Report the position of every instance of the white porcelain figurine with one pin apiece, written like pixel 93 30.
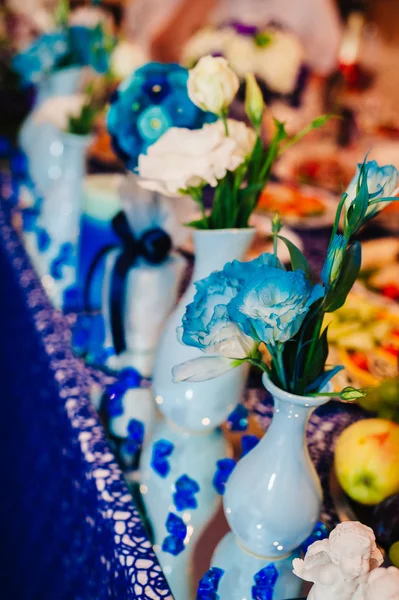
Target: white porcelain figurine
pixel 383 584
pixel 340 566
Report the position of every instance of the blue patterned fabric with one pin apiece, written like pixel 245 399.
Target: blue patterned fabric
pixel 69 529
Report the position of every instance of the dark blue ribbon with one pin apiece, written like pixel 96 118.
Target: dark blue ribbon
pixel 153 245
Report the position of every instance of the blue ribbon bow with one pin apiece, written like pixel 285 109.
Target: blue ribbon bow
pixel 153 245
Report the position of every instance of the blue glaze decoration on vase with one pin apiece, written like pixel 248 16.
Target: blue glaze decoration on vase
pixel 204 405
pixel 176 477
pixel 60 219
pixel 273 498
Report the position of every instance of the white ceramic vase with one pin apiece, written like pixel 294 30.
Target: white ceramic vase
pixel 272 500
pixel 205 405
pixel 194 455
pixel 150 295
pixel 42 142
pixel 59 221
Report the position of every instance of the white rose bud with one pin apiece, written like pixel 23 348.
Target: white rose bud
pixel 212 85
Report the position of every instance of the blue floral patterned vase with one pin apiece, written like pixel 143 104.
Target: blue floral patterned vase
pixel 53 244
pixel 272 503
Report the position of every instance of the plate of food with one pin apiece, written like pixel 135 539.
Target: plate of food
pixel 364 338
pixel 319 164
pixel 303 207
pixel 380 266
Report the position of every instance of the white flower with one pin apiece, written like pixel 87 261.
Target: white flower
pixel 126 58
pixel 242 53
pixel 381 183
pixel 58 109
pixel 212 85
pixel 278 64
pixel 184 158
pixel 205 41
pixel 201 368
pixel 88 16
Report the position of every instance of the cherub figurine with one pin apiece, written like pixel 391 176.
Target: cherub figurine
pixel 340 565
pixel 383 584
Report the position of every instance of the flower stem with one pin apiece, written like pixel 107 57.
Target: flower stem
pixel 257 363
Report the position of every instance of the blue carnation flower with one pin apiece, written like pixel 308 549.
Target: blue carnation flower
pixel 272 305
pixel 149 102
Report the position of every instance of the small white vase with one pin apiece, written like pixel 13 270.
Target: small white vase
pixel 194 455
pixel 56 261
pixel 204 405
pixel 150 295
pixel 42 142
pixel 273 497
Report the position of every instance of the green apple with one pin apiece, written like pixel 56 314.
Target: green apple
pixel 367 460
pixel 394 554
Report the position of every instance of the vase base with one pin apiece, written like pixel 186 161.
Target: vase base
pixel 245 575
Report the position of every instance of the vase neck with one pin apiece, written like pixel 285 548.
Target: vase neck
pixel 74 152
pixel 214 248
pixel 293 417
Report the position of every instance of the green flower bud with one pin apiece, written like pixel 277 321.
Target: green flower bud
pixel 254 104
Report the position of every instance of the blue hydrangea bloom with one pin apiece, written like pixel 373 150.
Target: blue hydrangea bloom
pixel 184 497
pixel 273 303
pixel 153 99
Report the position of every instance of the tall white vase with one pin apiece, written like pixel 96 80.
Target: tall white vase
pixel 204 405
pixel 42 142
pixel 272 500
pixel 58 226
pixel 195 456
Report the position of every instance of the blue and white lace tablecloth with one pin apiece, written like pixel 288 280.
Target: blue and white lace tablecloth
pixel 69 529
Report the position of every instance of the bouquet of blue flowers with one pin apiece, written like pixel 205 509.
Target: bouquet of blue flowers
pixel 70 44
pixel 246 307
pixel 226 155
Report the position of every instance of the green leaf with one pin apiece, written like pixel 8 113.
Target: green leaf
pixel 350 394
pixel 199 224
pixel 298 260
pixel 358 208
pixel 349 273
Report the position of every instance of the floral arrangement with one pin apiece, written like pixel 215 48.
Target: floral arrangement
pixel 226 155
pixel 274 55
pixel 152 100
pixel 79 39
pixel 249 306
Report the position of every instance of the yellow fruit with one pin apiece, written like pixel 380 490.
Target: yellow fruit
pixel 367 460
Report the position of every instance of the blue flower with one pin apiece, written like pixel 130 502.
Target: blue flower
pixel 153 99
pixel 135 435
pixel 381 183
pixel 41 57
pixel 208 325
pixel 333 262
pixel 273 304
